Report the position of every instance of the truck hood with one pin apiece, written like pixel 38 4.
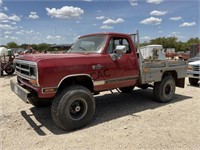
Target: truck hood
pixel 196 63
pixel 38 57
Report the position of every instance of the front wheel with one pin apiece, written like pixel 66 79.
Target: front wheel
pixel 164 91
pixel 73 108
pixel 193 81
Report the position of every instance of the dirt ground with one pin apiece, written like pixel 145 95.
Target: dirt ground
pixel 122 121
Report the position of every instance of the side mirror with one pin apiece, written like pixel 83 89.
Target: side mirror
pixel 120 49
pixel 118 52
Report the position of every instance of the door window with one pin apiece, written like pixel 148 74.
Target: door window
pixel 118 41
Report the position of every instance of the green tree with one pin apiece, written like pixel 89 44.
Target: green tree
pixel 24 46
pixel 34 46
pixel 193 41
pixel 181 46
pixel 12 45
pixel 43 46
pixel 169 42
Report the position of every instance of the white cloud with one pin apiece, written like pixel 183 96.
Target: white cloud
pixel 188 24
pixel 158 13
pixel 5 21
pixel 19 32
pixel 176 18
pixel 1 2
pixel 65 12
pixel 145 38
pixel 100 17
pixel 175 33
pixel 4 17
pixel 33 15
pixel 49 37
pixel 152 21
pixel 57 37
pixel 106 27
pixel 7 32
pixel 5 8
pixel 10 37
pixel 111 21
pixel 133 2
pixel 14 18
pixel 7 27
pixel 154 1
pixel 29 32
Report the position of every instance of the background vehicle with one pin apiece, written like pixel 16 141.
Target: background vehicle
pixel 95 63
pixel 194 72
pixel 6 57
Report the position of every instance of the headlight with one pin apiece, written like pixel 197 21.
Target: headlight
pixel 189 68
pixel 32 71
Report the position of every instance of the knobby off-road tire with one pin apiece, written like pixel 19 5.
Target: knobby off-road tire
pixel 9 69
pixel 38 102
pixel 193 81
pixel 73 108
pixel 164 91
pixel 126 89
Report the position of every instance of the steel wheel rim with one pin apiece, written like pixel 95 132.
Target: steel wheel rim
pixel 78 109
pixel 168 89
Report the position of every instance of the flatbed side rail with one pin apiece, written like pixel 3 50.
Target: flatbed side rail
pixel 153 72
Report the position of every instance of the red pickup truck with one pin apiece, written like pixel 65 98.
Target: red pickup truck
pixel 95 63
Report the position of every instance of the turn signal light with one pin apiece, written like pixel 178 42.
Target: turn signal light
pixel 49 90
pixel 33 82
pixel 189 67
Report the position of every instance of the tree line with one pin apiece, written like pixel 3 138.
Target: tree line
pixel 172 42
pixel 37 47
pixel 167 42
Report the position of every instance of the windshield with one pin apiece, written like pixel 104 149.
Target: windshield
pixel 90 44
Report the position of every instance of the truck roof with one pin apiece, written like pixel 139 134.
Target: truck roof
pixel 106 33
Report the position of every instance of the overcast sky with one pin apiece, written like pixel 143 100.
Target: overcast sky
pixel 56 22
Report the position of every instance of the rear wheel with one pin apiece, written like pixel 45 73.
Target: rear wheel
pixel 164 91
pixel 9 69
pixel 73 108
pixel 127 89
pixel 193 81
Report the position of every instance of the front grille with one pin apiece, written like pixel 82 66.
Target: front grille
pixel 196 68
pixel 26 69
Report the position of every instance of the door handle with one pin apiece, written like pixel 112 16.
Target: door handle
pixel 97 67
